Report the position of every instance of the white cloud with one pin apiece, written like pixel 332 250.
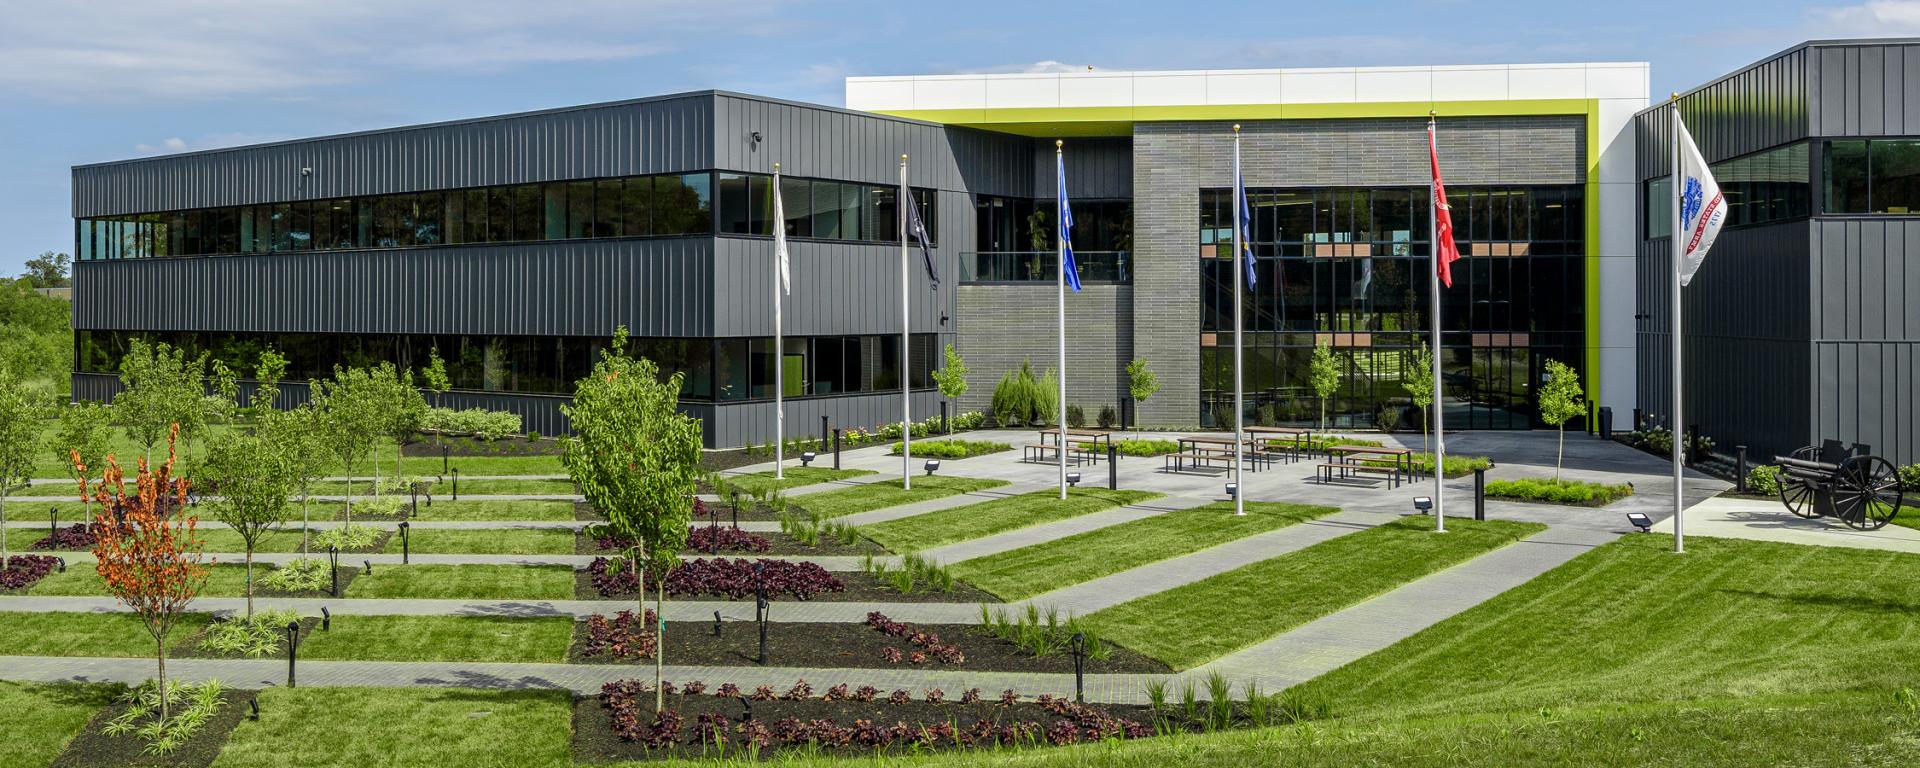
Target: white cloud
pixel 1048 66
pixel 138 50
pixel 174 144
pixel 1876 18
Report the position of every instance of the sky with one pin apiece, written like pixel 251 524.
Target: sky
pixel 99 80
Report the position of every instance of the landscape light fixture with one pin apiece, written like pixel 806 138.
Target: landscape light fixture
pixel 932 466
pixel 293 648
pixel 716 623
pixel 63 564
pixel 1233 489
pixel 254 704
pixel 1640 521
pixel 326 619
pixel 369 565
pixel 1423 504
pixel 807 457
pixel 1073 479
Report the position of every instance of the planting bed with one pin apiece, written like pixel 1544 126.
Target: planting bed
pixel 733 543
pixel 93 747
pixel 620 725
pixel 730 579
pixel 847 645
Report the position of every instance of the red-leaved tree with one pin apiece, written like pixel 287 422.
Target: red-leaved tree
pixel 146 549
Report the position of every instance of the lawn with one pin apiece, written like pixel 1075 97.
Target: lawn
pixel 403 727
pixel 502 541
pixel 48 465
pixel 86 634
pixel 758 483
pixel 887 493
pixel 41 718
pixel 1198 622
pixel 441 638
pixel 466 582
pixel 494 510
pixel 223 580
pixel 1632 622
pixel 1028 571
pixel 514 487
pixel 912 534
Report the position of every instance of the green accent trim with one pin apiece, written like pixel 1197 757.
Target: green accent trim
pixel 1592 374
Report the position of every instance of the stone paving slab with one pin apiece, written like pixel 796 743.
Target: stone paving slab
pixel 1332 641
pixel 1107 591
pixel 677 610
pixel 1015 539
pixel 1769 520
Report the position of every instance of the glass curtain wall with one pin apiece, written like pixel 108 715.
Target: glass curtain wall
pixel 1348 268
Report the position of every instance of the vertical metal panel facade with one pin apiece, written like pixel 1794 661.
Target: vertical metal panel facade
pixel 659 135
pixel 1096 168
pixel 739 424
pixel 838 288
pixel 1866 333
pixel 1760 107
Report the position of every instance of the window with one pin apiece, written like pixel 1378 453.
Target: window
pixel 796 204
pixel 735 218
pixel 683 205
pixel 636 207
pixel 1845 163
pixel 607 194
pixel 580 221
pixel 1894 176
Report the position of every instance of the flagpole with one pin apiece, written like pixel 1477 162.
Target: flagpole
pixel 779 354
pixel 1676 429
pixel 1439 407
pixel 906 341
pixel 1239 396
pixel 1060 287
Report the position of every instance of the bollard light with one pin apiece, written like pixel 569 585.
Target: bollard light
pixel 62 563
pixel 405 556
pixel 1073 479
pixel 333 558
pixel 456 483
pixel 1233 489
pixel 254 704
pixel 1640 521
pixel 933 465
pixel 1079 648
pixel 293 647
pixel 1423 504
pixel 369 565
pixel 716 623
pixel 326 619
pixel 807 457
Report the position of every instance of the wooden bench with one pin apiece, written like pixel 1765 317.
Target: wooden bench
pixel 1077 451
pixel 1176 462
pixel 1325 472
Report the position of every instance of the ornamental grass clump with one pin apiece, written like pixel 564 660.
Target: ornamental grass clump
pixel 146 714
pixel 914 573
pixel 349 537
pixel 302 575
pixel 1043 635
pixel 253 637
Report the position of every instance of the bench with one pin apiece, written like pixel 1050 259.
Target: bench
pixel 1176 462
pixel 1077 451
pixel 1325 472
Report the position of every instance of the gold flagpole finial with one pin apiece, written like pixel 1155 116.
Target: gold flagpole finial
pixel 1432 113
pixel 1058 143
pixel 1236 127
pixel 903 158
pixel 1674 96
pixel 776 166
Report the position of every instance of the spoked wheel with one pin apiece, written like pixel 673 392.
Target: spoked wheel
pixel 1867 494
pixel 1796 495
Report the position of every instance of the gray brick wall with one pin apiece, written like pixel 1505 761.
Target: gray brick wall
pixel 1173 161
pixel 1002 325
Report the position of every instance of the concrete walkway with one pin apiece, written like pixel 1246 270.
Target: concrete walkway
pixel 1769 520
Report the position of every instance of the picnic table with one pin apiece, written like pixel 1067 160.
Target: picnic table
pixel 1209 450
pixel 1081 443
pixel 1348 459
pixel 1299 439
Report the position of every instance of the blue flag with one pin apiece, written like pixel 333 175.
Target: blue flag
pixel 1246 222
pixel 918 232
pixel 1066 226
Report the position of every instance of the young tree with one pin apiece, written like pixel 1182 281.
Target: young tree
pixel 300 434
pixel 1141 384
pixel 952 378
pixel 637 459
pixel 1325 376
pixel 20 417
pixel 147 551
pixel 247 479
pixel 435 376
pixel 270 370
pixel 224 403
pixel 1416 376
pixel 161 391
pixel 81 442
pixel 1561 400
pixel 402 409
pixel 350 419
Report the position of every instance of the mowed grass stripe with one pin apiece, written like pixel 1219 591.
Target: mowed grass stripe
pixel 223 580
pixel 86 634
pixel 1022 573
pixel 444 488
pixel 505 541
pixel 887 493
pixel 42 718
pixel 466 582
pixel 403 726
pixel 762 482
pixel 1632 622
pixel 973 521
pixel 442 638
pixel 1195 623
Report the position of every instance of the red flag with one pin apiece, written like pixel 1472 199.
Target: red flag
pixel 1444 247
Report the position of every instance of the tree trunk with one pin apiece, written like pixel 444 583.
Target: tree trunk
pixel 348 507
pixel 305 490
pixel 659 643
pixel 5 555
pixel 397 446
pixel 249 582
pixel 160 655
pixel 1561 454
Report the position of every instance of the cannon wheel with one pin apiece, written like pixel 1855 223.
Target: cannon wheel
pixel 1795 494
pixel 1867 492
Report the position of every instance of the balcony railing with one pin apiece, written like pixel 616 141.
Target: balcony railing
pixel 1041 266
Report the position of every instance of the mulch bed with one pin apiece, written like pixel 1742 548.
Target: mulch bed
pixel 845 645
pixel 594 740
pixel 778 544
pixel 733 459
pixel 861 587
pixel 91 747
pixel 431 445
pixel 584 511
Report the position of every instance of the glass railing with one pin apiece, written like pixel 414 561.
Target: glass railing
pixel 1042 266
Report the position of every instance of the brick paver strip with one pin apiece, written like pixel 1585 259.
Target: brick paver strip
pixel 677 610
pixel 1106 591
pixel 1015 539
pixel 1327 643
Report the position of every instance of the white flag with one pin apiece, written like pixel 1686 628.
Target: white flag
pixel 780 237
pixel 1702 209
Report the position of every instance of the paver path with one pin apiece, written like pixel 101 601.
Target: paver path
pixel 677 610
pixel 1021 537
pixel 1107 591
pixel 1327 643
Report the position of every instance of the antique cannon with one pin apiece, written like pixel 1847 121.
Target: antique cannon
pixel 1851 484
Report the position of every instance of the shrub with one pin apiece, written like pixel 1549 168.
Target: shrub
pixel 1076 417
pixel 76 537
pixel 1386 417
pixel 304 575
pixel 379 506
pixel 710 538
pixel 479 422
pixel 1910 477
pixel 250 637
pixel 621 637
pixel 21 571
pixel 1133 447
pixel 1457 466
pixel 970 420
pixel 1575 492
pixel 347 538
pixel 1764 479
pixel 1108 418
pixel 141 718
pixel 734 579
pixel 953 449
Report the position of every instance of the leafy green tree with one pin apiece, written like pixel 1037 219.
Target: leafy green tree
pixel 249 479
pixel 1324 374
pixel 49 270
pixel 1416 376
pixel 224 403
pixel 952 377
pixel 402 408
pixel 161 388
pixel 637 460
pixel 350 419
pixel 301 435
pixel 81 442
pixel 270 370
pixel 36 335
pixel 435 376
pixel 1141 384
pixel 20 415
pixel 1560 401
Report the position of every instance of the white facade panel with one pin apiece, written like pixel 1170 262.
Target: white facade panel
pixel 1409 84
pixel 1617 81
pixel 1030 91
pixel 1096 91
pixel 1546 82
pixel 1469 83
pixel 878 94
pixel 1317 86
pixel 947 93
pixel 1169 90
pixel 1243 88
